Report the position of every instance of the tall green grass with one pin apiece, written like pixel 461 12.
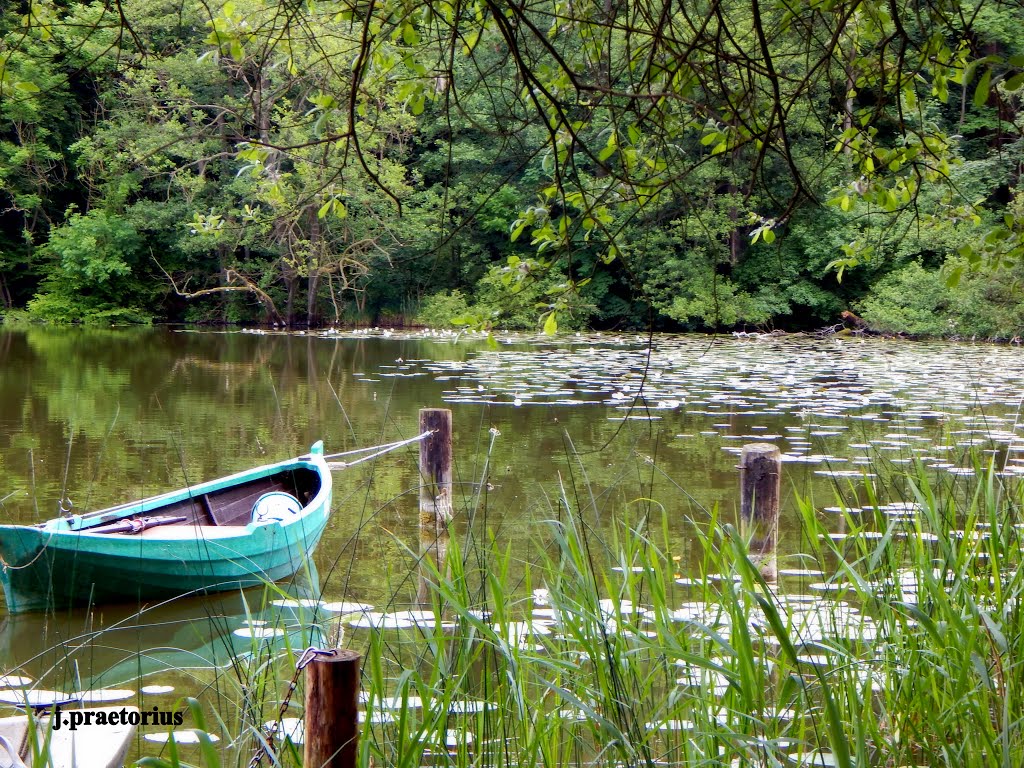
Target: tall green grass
pixel 907 653
pixel 585 650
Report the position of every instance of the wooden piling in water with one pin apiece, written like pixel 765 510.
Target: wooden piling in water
pixel 433 551
pixel 332 711
pixel 760 491
pixel 435 497
pixel 435 471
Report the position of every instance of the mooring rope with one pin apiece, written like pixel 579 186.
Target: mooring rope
pixel 8 567
pixel 378 450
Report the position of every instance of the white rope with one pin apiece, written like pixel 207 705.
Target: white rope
pixel 386 445
pixel 379 450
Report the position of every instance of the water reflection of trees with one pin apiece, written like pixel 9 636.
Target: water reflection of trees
pixel 147 411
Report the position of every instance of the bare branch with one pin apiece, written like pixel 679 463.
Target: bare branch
pixel 230 276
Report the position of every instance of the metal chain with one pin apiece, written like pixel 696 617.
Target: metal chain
pixel 307 656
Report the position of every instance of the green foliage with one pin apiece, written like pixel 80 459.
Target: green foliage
pixel 443 310
pixel 910 300
pixel 519 303
pixel 715 303
pixel 921 302
pixel 59 307
pixel 94 250
pixel 95 273
pixel 15 317
pixel 636 179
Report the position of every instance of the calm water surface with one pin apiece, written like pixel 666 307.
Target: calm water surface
pixel 103 417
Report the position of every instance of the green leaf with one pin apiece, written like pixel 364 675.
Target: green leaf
pixel 1015 82
pixel 769 236
pixel 969 253
pixel 551 324
pixel 26 86
pixel 953 278
pixel 470 41
pixel 981 92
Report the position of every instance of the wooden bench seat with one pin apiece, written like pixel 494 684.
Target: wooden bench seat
pixel 234 506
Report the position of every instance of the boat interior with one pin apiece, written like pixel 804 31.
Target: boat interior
pixel 230 506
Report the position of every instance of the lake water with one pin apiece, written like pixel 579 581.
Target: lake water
pixel 610 422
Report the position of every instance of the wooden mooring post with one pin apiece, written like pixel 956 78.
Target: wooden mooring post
pixel 760 489
pixel 332 711
pixel 435 497
pixel 435 471
pixel 433 551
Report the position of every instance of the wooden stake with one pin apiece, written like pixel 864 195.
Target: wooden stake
pixel 433 551
pixel 760 486
pixel 332 711
pixel 435 471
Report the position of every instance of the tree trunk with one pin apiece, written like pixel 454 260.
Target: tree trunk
pixel 222 277
pixel 313 267
pixel 312 319
pixel 289 307
pixel 735 238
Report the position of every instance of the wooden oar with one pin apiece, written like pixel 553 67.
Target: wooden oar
pixel 137 526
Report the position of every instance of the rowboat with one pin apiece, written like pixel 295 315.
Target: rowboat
pixel 249 528
pixel 100 739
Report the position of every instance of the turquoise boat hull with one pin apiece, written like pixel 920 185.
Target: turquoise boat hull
pixel 69 560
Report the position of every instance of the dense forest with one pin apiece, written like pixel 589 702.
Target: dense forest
pixel 710 164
